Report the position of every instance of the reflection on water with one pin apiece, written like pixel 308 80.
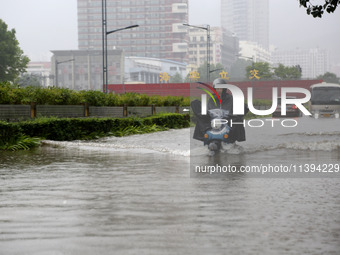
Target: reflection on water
pixel 313 144
pixel 113 197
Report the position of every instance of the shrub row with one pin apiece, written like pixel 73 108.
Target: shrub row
pixel 11 94
pixel 67 129
pixel 12 138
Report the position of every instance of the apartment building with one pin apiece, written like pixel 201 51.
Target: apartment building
pixel 247 19
pixel 198 46
pixel 160 33
pixel 313 62
pixel 82 69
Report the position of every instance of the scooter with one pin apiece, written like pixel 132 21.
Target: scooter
pixel 213 129
pixel 219 132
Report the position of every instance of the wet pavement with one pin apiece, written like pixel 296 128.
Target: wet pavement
pixel 134 195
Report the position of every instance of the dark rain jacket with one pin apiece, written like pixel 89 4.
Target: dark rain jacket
pixel 203 122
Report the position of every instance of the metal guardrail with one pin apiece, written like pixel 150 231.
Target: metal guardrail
pixel 24 112
pixel 15 112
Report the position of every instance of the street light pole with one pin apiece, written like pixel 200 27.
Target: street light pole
pixel 105 33
pixel 252 65
pixel 208 52
pixel 252 57
pixel 104 46
pixel 208 46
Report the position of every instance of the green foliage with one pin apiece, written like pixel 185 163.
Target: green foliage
pixel 27 80
pixel 24 143
pixel 12 94
pixel 12 138
pixel 263 68
pixel 214 72
pixel 133 130
pixel 93 97
pixel 134 99
pixel 265 73
pixel 288 72
pixel 318 10
pixel 9 134
pixel 170 101
pixel 238 69
pixel 21 135
pixel 329 77
pixel 67 129
pixel 12 60
pixel 5 88
pixel 177 78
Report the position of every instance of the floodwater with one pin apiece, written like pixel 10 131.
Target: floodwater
pixel 134 195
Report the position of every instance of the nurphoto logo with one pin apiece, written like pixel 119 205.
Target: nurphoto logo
pixel 238 104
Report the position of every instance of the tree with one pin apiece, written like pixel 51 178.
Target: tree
pixel 262 71
pixel 288 72
pixel 238 69
pixel 12 60
pixel 177 78
pixel 318 10
pixel 27 80
pixel 214 71
pixel 329 77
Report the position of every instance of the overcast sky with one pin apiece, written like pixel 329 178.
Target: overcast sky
pixel 44 25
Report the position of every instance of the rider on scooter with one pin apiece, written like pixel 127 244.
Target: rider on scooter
pixel 237 130
pixel 203 122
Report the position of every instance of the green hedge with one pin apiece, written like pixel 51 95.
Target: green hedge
pixel 11 94
pixel 67 129
pixel 12 138
pixel 9 133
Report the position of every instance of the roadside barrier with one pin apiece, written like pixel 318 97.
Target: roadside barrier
pixel 25 112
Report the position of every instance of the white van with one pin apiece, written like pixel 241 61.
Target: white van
pixel 325 100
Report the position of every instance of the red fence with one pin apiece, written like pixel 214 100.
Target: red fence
pixel 261 89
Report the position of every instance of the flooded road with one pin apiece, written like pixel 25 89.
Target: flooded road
pixel 134 195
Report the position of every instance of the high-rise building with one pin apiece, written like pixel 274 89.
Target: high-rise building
pixel 248 19
pixel 198 46
pixel 160 33
pixel 313 62
pixel 230 49
pixel 224 47
pixel 82 69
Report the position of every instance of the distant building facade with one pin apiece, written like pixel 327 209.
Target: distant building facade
pixel 40 70
pixel 150 70
pixel 248 19
pixel 198 46
pixel 224 47
pixel 83 69
pixel 335 68
pixel 230 49
pixel 313 62
pixel 160 33
pixel 254 51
